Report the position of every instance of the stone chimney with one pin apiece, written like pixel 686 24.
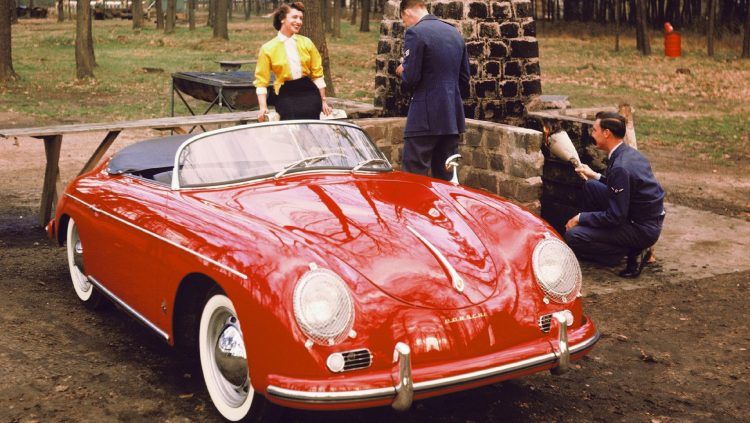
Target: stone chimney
pixel 503 52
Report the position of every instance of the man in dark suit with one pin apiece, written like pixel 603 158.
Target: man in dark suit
pixel 436 68
pixel 625 208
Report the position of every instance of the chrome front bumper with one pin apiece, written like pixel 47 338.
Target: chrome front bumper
pixel 402 394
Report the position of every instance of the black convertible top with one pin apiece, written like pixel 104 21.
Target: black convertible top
pixel 150 154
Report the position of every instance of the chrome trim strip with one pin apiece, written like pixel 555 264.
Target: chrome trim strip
pixel 458 283
pixel 127 308
pixel 389 392
pixel 175 185
pixel 195 253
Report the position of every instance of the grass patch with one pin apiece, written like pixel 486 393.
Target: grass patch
pixel 703 108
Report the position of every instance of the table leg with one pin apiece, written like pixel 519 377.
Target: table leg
pixel 52 184
pixel 99 152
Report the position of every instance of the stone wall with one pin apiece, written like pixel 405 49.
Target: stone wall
pixel 503 52
pixel 504 160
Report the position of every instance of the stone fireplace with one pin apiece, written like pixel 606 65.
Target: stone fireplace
pixel 503 52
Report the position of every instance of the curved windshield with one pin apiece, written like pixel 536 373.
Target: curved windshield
pixel 251 152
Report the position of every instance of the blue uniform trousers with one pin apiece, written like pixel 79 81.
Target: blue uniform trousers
pixel 422 153
pixel 608 245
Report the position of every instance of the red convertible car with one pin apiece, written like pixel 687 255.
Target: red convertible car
pixel 306 272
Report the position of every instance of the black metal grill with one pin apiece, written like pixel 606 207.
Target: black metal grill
pixel 544 322
pixel 357 359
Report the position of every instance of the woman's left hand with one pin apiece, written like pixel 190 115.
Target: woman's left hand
pixel 327 110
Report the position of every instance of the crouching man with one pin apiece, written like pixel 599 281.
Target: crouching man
pixel 625 208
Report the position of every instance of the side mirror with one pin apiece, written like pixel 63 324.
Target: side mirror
pixel 452 162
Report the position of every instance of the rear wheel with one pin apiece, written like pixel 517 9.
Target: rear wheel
pixel 86 292
pixel 221 347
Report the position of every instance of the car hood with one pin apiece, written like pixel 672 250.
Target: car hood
pixel 399 234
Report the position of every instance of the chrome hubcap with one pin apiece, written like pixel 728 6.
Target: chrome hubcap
pixel 230 354
pixel 230 359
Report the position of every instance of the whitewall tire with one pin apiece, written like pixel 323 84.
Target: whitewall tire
pixel 85 291
pixel 224 361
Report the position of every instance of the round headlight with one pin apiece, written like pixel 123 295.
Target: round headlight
pixel 323 306
pixel 556 270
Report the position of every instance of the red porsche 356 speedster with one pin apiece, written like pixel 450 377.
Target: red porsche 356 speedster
pixel 306 272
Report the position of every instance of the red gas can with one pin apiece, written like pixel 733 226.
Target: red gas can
pixel 672 41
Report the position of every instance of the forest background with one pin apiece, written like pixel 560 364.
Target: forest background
pixel 70 68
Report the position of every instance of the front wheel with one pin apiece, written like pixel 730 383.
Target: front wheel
pixel 85 291
pixel 221 347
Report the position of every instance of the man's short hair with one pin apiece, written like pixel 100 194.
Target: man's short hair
pixel 280 13
pixel 408 4
pixel 615 122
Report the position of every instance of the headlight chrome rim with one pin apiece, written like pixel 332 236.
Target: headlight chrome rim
pixel 322 291
pixel 567 285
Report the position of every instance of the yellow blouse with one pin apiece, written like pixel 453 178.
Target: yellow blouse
pixel 273 57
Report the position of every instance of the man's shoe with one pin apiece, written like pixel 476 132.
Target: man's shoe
pixel 636 262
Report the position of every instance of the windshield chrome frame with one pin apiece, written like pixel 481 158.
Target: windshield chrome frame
pixel 175 185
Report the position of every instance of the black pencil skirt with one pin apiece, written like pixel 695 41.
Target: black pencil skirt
pixel 299 99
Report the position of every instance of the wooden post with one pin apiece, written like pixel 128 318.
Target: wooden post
pixel 627 112
pixel 99 152
pixel 52 146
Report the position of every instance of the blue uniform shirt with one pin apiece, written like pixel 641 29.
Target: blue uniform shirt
pixel 436 68
pixel 634 193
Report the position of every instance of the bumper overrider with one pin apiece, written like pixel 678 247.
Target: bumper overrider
pixel 403 392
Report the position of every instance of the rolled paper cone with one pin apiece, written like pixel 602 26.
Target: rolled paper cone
pixel 562 147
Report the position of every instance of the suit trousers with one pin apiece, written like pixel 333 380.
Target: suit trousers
pixel 609 245
pixel 429 152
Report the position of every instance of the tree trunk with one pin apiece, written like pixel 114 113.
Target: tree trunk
pixel 711 26
pixel 191 15
pixel 336 19
pixel 137 10
pixel 13 12
pixel 746 38
pixel 60 11
pixel 364 23
pixel 169 24
pixel 314 29
pixel 220 19
pixel 6 58
pixel 617 25
pixel 247 8
pixel 230 9
pixel 642 28
pixel 353 17
pixel 159 15
pixel 84 42
pixel 211 13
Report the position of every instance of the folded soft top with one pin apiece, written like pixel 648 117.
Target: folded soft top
pixel 150 154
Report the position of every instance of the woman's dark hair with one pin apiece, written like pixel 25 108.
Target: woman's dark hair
pixel 280 13
pixel 615 122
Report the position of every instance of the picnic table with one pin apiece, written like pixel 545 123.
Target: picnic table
pixel 53 137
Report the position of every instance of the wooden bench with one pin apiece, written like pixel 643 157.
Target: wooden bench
pixel 53 136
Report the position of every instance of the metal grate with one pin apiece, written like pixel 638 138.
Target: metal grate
pixel 544 322
pixel 357 359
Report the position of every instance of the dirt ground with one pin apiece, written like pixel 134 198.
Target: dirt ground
pixel 674 343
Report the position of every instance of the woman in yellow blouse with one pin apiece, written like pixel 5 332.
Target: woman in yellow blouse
pixel 298 68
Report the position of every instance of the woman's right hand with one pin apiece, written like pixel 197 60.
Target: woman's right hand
pixel 262 113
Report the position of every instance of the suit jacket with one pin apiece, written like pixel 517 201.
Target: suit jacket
pixel 436 68
pixel 635 195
